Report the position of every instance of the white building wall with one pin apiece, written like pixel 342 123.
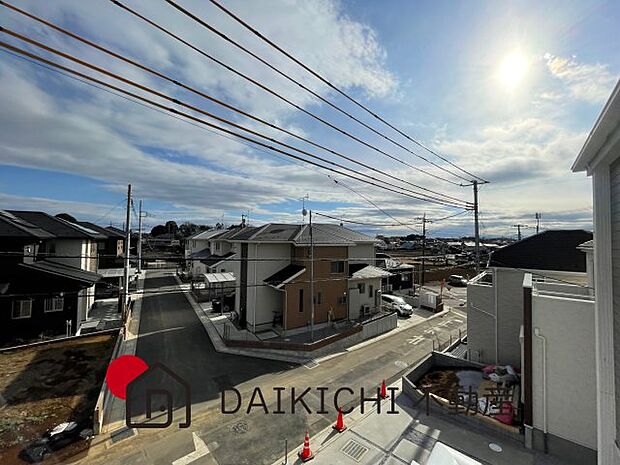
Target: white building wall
pixel 568 327
pixel 357 299
pixel 481 335
pixel 263 299
pixel 496 311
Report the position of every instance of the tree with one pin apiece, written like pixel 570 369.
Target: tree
pixel 158 230
pixel 171 227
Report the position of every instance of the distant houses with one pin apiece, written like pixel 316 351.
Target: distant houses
pixel 267 271
pixel 51 267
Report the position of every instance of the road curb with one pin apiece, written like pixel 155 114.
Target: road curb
pixel 219 344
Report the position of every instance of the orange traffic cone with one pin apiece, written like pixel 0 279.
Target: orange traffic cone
pixel 383 390
pixel 306 454
pixel 339 426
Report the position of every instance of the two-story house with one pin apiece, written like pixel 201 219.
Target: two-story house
pixel 39 296
pixel 273 278
pixel 73 245
pixel 495 296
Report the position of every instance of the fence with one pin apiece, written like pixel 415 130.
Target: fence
pixel 104 393
pixel 281 345
pixel 379 325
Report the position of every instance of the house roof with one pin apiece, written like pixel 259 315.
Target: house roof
pixel 285 275
pixel 244 233
pixel 322 234
pixel 209 234
pixel 14 226
pixel 57 226
pixel 108 232
pixel 369 272
pixel 115 230
pixel 331 234
pixel 213 278
pixel 201 254
pixel 213 260
pixel 549 250
pixel 606 124
pixel 62 270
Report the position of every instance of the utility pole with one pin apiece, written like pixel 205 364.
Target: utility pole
pixel 140 237
pixel 538 216
pixel 423 251
pixel 519 226
pixel 311 281
pixel 476 227
pixel 125 299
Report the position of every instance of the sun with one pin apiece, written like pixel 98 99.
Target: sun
pixel 512 70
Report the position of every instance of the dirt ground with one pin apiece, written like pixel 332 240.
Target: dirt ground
pixel 42 386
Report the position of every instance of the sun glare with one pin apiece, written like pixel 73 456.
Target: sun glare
pixel 512 70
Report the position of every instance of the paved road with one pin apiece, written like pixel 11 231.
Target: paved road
pixel 171 333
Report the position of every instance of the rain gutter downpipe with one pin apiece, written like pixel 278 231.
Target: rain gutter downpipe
pixel 544 381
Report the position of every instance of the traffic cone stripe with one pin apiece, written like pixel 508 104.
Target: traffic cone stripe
pixel 306 454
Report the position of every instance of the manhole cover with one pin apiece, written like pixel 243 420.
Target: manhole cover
pixel 354 449
pixel 240 427
pixel 401 364
pixel 495 447
pixel 420 439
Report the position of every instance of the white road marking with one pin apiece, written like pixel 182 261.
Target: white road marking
pixel 415 340
pixel 201 450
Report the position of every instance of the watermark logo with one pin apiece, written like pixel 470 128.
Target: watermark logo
pixel 142 387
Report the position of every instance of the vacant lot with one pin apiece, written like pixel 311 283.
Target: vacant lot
pixel 44 385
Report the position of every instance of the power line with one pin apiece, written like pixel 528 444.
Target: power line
pixel 299 84
pixel 373 204
pixel 186 115
pixel 274 93
pixel 342 220
pixel 337 89
pixel 212 99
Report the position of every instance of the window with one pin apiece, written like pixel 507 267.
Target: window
pixel 337 267
pixel 370 290
pixel 217 246
pixel 301 300
pixel 21 309
pixel 405 277
pixel 361 287
pixel 54 304
pixel 342 300
pixel 318 298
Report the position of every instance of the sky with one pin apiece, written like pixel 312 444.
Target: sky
pixel 506 90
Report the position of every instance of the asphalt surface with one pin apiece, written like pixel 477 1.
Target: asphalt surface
pixel 170 333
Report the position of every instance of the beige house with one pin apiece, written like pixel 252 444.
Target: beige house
pixel 273 275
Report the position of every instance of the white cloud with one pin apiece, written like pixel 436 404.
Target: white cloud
pixel 590 82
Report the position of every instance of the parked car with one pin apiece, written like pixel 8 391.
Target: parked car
pixel 396 303
pixel 52 440
pixel 457 280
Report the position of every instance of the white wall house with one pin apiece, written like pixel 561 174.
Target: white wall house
pixel 559 369
pixel 495 296
pixel 600 158
pixel 364 290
